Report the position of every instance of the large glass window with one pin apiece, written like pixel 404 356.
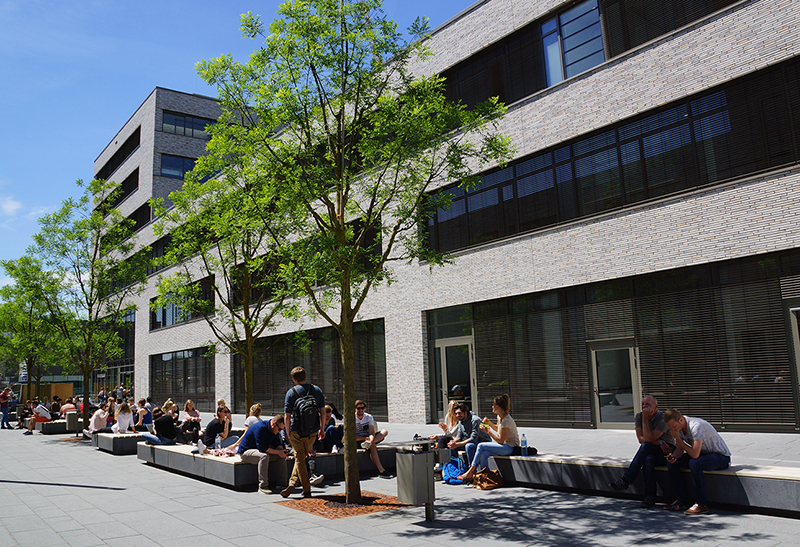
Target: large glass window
pixel 741 128
pixel 276 356
pixel 181 124
pixel 171 314
pixel 181 375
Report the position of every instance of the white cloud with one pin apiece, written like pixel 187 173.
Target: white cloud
pixel 37 212
pixel 9 205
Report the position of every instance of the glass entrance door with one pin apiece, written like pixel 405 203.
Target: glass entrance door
pixel 455 358
pixel 617 387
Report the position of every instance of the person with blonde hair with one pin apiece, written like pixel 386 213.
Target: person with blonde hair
pixel 449 427
pixel 504 434
pixel 254 417
pixel 124 416
pixel 191 419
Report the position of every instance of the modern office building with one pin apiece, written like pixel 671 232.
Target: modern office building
pixel 644 239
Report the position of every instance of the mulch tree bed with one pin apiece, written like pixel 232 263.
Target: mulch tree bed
pixel 334 506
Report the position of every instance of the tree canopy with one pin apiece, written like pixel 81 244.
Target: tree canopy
pixel 343 147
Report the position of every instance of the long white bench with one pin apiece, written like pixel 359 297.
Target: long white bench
pixel 762 488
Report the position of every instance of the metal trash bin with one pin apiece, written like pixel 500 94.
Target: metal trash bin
pixel 415 480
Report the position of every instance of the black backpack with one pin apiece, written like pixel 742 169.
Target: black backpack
pixel 305 414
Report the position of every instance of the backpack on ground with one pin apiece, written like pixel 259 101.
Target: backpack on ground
pixel 452 469
pixel 305 414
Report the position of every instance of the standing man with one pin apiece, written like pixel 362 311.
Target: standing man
pixel 261 445
pixel 5 399
pixel 369 439
pixel 655 441
pixel 698 447
pixel 470 433
pixel 304 410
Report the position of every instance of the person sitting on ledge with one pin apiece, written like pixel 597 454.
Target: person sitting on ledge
pixel 67 407
pixel 262 445
pixel 655 441
pixel 40 414
pixel 97 423
pixel 221 425
pixel 125 421
pixel 369 439
pixel 191 418
pixel 504 438
pixel 144 417
pixel 164 429
pixel 470 433
pixel 698 447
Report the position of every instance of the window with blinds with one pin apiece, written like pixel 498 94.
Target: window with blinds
pixel 742 128
pixel 631 23
pixel 712 342
pixel 276 356
pixel 181 375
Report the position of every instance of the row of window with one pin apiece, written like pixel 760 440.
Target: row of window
pixel 127 148
pixel 172 313
pixel 125 189
pixel 176 166
pixel 181 124
pixel 746 126
pixel 181 375
pixel 562 45
pixel 711 341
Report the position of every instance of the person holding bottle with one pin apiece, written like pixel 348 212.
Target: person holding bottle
pixel 504 435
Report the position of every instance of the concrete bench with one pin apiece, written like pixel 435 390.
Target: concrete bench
pixel 759 488
pixel 120 444
pixel 70 424
pixel 234 473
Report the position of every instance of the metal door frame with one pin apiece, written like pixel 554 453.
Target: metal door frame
pixel 440 345
pixel 636 378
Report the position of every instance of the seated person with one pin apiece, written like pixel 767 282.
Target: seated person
pixel 334 433
pixel 365 433
pixel 125 422
pixel 262 444
pixel 23 412
pixel 191 418
pixel 144 417
pixel 164 430
pixel 40 414
pixel 68 406
pixel 254 417
pixel 699 447
pixel 55 407
pixel 97 423
pixel 470 433
pixel 221 425
pixel 504 435
pixel 449 427
pixel 655 441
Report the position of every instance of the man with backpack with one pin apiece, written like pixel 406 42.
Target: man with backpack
pixel 304 410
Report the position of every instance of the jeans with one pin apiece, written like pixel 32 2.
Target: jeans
pixel 646 459
pixel 333 437
pixel 152 439
pixel 5 423
pixel 706 462
pixel 485 450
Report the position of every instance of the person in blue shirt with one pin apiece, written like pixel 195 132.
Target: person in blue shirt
pixel 262 444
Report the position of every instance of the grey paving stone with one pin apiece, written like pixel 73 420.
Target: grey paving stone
pixel 78 538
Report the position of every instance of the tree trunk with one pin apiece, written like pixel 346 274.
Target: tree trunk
pixel 351 472
pixel 248 379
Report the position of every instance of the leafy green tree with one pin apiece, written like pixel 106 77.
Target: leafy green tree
pixel 94 268
pixel 346 147
pixel 232 277
pixel 29 334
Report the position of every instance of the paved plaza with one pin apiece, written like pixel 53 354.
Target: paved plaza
pixel 57 492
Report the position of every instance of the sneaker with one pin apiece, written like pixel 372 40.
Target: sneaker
pixel 621 483
pixel 365 445
pixel 648 502
pixel 316 480
pixel 696 509
pixel 437 468
pixel 335 449
pixel 265 490
pixel 385 474
pixel 286 492
pixel 677 505
pixel 28 432
pixel 201 447
pixel 87 433
pixel 306 494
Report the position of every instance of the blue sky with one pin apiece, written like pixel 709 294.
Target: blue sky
pixel 72 73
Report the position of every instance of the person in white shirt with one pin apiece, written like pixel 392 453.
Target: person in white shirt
pixel 125 420
pixel 98 421
pixel 40 414
pixel 369 439
pixel 698 447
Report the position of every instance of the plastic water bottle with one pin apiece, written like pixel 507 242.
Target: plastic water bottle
pixel 218 443
pixel 524 445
